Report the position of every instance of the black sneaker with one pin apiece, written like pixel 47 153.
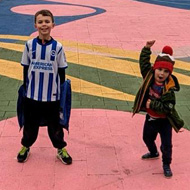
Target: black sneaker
pixel 63 155
pixel 149 156
pixel 167 171
pixel 23 154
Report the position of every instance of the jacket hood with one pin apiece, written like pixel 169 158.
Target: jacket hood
pixel 172 83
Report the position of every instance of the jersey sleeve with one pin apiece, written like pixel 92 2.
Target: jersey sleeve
pixel 25 61
pixel 61 59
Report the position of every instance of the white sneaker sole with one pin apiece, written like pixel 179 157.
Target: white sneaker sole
pixel 59 157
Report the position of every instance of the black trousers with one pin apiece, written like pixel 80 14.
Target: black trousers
pixel 150 132
pixel 34 113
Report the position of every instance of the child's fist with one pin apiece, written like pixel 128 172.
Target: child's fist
pixel 149 44
pixel 148 103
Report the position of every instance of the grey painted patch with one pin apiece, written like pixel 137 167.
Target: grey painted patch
pixel 185 59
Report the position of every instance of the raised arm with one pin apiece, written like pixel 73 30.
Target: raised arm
pixel 144 60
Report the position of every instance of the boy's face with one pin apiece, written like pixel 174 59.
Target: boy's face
pixel 44 25
pixel 161 74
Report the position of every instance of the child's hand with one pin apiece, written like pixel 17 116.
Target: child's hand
pixel 148 103
pixel 149 44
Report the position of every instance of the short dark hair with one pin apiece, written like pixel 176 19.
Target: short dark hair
pixel 44 12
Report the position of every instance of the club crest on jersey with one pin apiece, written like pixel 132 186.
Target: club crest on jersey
pixel 53 52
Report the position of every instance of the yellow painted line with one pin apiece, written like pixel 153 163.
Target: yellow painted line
pixel 11 46
pixel 182 65
pixel 14 70
pixel 123 66
pixel 101 61
pixel 183 79
pixel 78 45
pixel 96 61
pixel 15 37
pixel 90 88
pixel 98 49
pixel 11 69
pixel 105 63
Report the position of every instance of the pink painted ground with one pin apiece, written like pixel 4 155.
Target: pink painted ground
pixel 106 147
pixel 125 24
pixel 58 10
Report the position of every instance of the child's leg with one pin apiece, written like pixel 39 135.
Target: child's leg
pixel 149 135
pixel 31 126
pixel 30 133
pixel 55 131
pixel 166 141
pixel 56 134
pixel 30 130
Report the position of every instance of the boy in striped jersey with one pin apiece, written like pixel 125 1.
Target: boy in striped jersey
pixel 44 66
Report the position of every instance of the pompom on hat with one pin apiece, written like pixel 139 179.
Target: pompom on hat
pixel 165 59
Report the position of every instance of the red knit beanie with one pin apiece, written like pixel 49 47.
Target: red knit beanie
pixel 165 59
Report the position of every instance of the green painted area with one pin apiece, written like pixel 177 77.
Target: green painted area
pixel 10 55
pixel 9 94
pixel 89 101
pixel 110 79
pixel 182 71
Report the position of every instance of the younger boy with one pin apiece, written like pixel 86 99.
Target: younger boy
pixel 44 66
pixel 156 97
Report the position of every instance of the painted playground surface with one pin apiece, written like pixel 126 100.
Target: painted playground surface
pixel 102 41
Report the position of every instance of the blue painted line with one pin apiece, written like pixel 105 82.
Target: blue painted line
pixel 20 24
pixel 8 40
pixel 180 4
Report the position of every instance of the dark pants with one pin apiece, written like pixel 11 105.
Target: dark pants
pixel 150 132
pixel 34 113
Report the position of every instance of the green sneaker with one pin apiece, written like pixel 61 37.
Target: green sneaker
pixel 23 154
pixel 63 155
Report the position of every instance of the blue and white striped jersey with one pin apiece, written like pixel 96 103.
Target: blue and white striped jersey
pixel 43 82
